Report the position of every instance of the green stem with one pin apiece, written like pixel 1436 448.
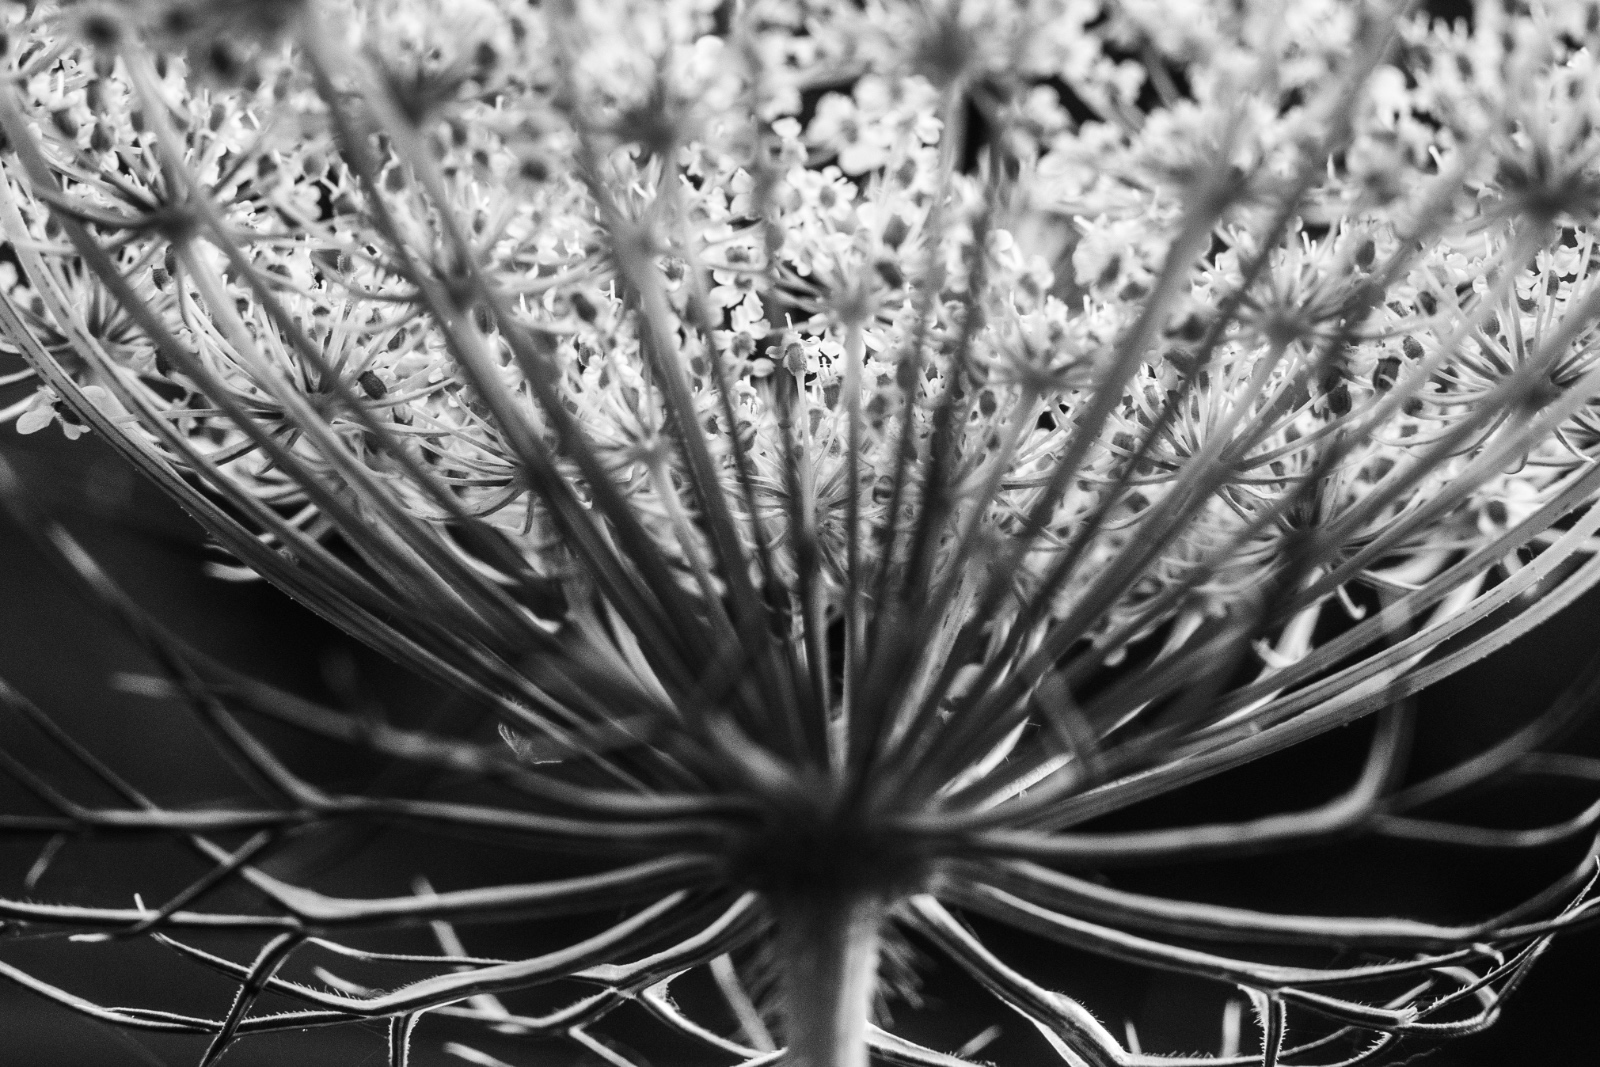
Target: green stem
pixel 827 948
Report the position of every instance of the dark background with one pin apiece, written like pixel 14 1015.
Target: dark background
pixel 63 653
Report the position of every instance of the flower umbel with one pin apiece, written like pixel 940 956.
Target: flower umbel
pixel 846 447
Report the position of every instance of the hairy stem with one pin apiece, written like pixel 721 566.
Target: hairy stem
pixel 827 954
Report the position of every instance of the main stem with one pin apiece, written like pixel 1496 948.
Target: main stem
pixel 827 955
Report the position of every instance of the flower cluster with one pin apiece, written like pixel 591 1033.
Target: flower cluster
pixel 874 375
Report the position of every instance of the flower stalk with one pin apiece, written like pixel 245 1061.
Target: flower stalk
pixel 825 946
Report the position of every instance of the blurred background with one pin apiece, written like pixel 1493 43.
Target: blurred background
pixel 65 655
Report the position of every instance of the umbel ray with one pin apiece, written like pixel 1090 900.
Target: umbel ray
pixel 833 454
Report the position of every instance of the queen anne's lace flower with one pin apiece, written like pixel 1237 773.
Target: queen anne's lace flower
pixel 866 426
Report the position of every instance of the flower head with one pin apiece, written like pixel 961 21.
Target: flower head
pixel 847 445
